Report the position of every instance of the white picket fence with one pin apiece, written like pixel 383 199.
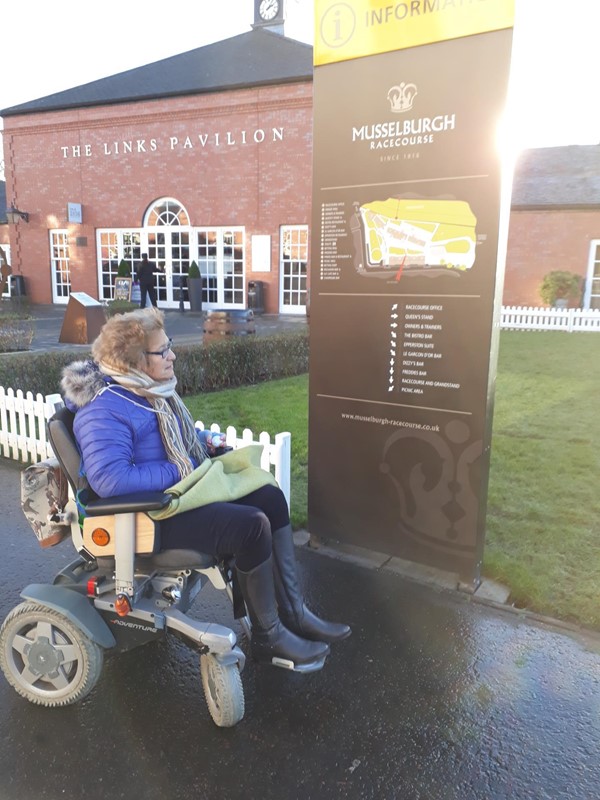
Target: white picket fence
pixel 277 454
pixel 23 435
pixel 549 319
pixel 23 425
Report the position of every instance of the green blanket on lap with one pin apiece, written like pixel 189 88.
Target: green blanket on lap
pixel 221 479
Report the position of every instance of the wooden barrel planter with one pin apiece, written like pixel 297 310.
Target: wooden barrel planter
pixel 219 324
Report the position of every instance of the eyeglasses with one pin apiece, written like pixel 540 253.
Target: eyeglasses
pixel 161 353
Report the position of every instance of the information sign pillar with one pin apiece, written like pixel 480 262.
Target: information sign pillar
pixel 409 228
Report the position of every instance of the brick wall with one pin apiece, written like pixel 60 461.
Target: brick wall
pixel 540 241
pixel 222 156
pixel 205 151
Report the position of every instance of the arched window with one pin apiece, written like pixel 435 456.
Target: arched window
pixel 166 211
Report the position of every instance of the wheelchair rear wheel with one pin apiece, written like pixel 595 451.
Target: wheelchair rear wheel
pixel 223 691
pixel 46 658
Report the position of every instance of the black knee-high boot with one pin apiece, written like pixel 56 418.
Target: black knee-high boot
pixel 292 610
pixel 270 639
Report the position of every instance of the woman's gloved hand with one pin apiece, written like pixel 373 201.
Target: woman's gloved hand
pixel 215 444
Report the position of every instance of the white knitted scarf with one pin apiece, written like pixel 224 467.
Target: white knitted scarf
pixel 175 422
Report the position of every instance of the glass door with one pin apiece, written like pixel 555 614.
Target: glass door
pixel 292 269
pixel 169 249
pixel 592 284
pixel 114 247
pixel 221 264
pixel 59 266
pixel 5 264
pixel 172 244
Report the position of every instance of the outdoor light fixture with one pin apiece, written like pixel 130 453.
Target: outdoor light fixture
pixel 13 215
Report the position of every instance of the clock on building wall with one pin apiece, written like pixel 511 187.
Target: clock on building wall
pixel 268 12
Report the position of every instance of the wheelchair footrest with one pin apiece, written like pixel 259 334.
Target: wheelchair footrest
pixel 312 666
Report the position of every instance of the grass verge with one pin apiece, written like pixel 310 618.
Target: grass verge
pixel 543 499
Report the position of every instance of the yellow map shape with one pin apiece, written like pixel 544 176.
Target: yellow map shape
pixel 419 233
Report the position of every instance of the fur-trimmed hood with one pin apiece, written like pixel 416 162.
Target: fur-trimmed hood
pixel 81 382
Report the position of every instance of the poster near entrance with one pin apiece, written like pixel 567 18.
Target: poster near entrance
pixel 123 289
pixel 409 220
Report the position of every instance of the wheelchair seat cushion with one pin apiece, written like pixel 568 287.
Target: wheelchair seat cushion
pixel 167 559
pixel 179 559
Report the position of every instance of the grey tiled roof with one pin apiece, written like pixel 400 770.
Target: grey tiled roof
pixel 255 58
pixel 558 177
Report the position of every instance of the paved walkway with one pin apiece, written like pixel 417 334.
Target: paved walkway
pixel 183 326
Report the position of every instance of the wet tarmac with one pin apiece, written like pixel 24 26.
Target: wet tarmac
pixel 434 697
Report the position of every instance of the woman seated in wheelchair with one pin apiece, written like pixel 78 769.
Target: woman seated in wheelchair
pixel 135 434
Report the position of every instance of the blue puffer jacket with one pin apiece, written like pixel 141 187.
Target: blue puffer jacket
pixel 117 432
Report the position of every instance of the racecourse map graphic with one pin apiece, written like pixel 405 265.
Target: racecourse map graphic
pixel 417 234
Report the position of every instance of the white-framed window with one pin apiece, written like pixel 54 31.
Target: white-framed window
pixel 114 246
pixel 591 298
pixel 5 259
pixel 59 266
pixel 221 261
pixel 293 268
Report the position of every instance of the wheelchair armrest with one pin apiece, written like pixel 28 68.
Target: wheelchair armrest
pixel 125 503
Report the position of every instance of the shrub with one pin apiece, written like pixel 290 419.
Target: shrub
pixel 559 285
pixel 113 307
pixel 16 326
pixel 15 308
pixel 124 269
pixel 194 271
pixel 15 335
pixel 238 361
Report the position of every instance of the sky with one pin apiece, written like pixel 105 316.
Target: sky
pixel 50 47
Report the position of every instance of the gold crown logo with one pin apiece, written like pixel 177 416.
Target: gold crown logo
pixel 401 97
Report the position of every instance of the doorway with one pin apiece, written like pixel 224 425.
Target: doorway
pixel 221 263
pixel 173 244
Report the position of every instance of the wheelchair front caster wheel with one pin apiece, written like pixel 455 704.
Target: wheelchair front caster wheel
pixel 223 691
pixel 46 658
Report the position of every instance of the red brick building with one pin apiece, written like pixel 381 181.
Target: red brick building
pixel 554 223
pixel 206 157
pixel 202 157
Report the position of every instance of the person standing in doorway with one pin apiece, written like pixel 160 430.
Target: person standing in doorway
pixel 145 276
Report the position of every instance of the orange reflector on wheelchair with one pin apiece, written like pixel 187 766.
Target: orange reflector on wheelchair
pixel 100 537
pixel 122 605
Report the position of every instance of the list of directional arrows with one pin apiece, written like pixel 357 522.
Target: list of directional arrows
pixel 393 342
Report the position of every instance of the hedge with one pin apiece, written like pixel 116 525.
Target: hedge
pixel 16 333
pixel 237 361
pixel 16 325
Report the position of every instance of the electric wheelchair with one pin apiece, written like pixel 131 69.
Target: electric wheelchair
pixel 120 592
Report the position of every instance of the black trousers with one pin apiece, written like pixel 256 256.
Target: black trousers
pixel 241 528
pixel 150 290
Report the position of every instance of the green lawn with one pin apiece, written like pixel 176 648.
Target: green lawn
pixel 543 502
pixel 276 406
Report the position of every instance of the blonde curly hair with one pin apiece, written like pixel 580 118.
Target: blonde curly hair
pixel 124 338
